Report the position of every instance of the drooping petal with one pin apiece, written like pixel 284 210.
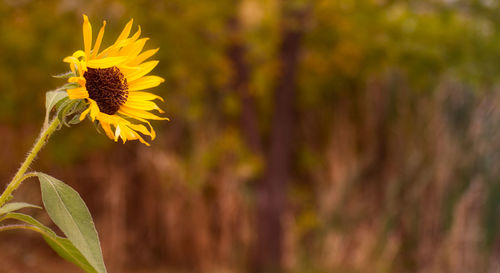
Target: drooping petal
pixel 84 114
pixel 73 63
pixel 94 110
pixel 140 128
pixel 151 130
pixel 70 59
pixel 107 129
pixel 130 134
pixel 79 54
pixel 143 141
pixel 112 119
pixel 136 113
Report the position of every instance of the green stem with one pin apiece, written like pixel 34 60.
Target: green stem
pixel 12 227
pixel 19 177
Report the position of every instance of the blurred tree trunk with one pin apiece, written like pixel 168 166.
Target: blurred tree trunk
pixel 272 189
pixel 240 83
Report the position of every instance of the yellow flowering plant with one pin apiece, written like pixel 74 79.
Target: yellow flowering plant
pixel 107 87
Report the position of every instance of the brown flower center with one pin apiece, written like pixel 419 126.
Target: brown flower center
pixel 108 87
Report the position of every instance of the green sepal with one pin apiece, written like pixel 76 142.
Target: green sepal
pixel 97 126
pixel 69 112
pixel 52 98
pixel 65 75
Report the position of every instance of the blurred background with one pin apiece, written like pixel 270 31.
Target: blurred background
pixel 305 136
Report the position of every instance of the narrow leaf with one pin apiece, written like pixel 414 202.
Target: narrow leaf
pixel 66 75
pixel 60 245
pixel 68 211
pixel 9 207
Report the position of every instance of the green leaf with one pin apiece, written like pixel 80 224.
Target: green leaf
pixel 16 206
pixel 68 211
pixel 60 245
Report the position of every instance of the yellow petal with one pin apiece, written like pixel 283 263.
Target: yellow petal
pixel 87 35
pixel 77 93
pixel 145 68
pixel 143 141
pixel 112 119
pixel 94 110
pixel 130 134
pixel 145 83
pixel 125 31
pixel 84 114
pixel 82 67
pixel 133 49
pixel 113 49
pixel 79 54
pixel 136 34
pixel 107 129
pixel 152 131
pixel 73 62
pixel 126 134
pixel 80 80
pixel 106 62
pixel 140 128
pixel 139 96
pixel 70 59
pixel 136 113
pixel 98 40
pixel 117 134
pixel 142 105
pixel 127 70
pixel 142 57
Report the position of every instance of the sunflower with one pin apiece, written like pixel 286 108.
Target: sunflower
pixel 113 82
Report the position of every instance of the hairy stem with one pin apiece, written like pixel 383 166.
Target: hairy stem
pixel 45 134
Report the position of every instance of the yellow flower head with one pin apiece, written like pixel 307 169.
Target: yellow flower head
pixel 113 82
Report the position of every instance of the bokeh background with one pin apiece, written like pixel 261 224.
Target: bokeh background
pixel 305 136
